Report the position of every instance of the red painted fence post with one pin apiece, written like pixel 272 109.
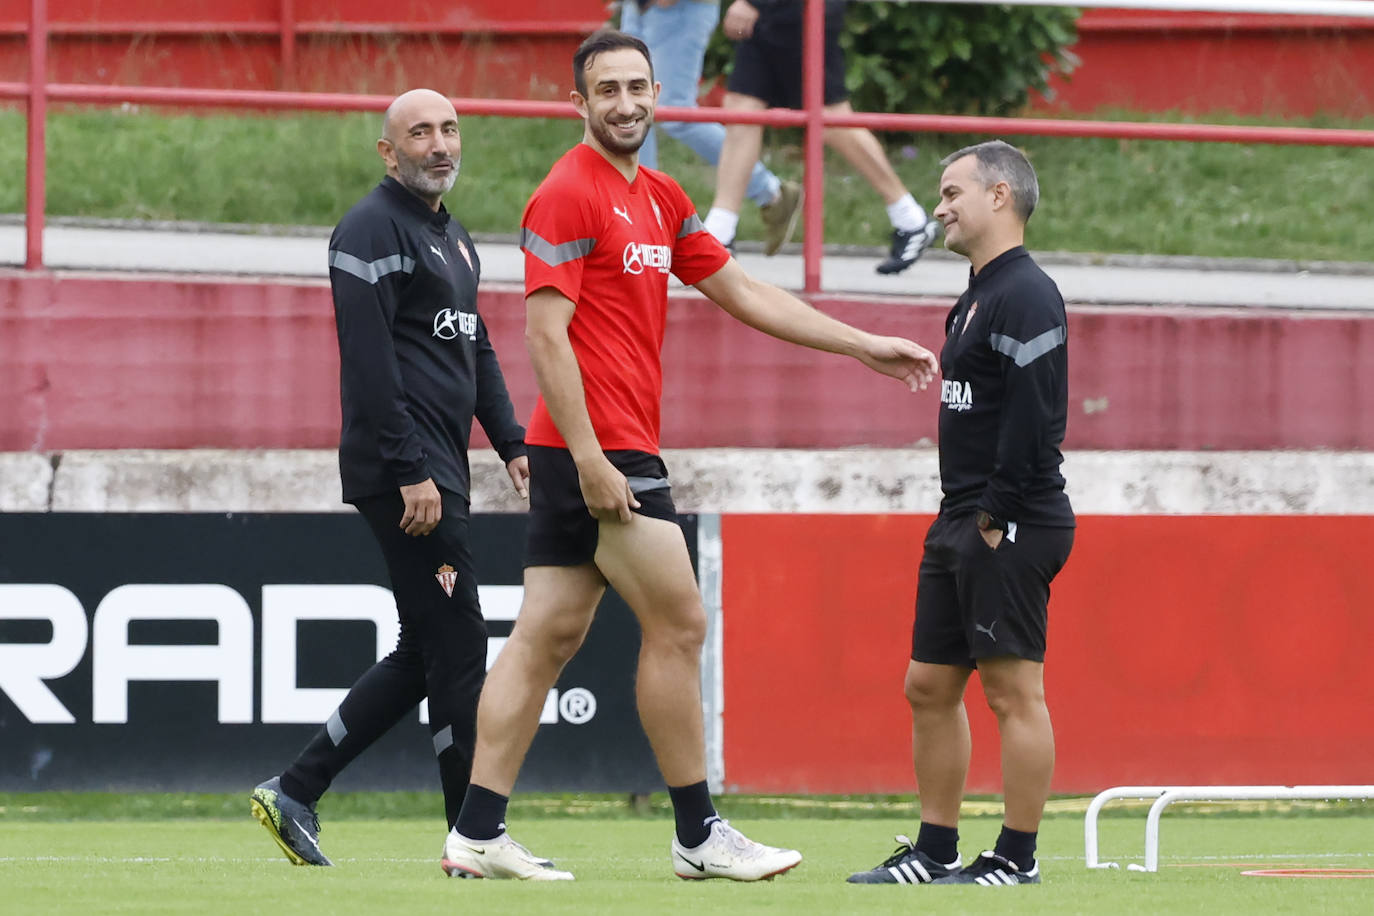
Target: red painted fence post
pixel 286 79
pixel 35 188
pixel 813 100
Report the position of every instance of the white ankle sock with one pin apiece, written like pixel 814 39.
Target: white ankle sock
pixel 722 224
pixel 906 214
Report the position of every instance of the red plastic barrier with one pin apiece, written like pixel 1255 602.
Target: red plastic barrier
pixel 1182 650
pixel 92 361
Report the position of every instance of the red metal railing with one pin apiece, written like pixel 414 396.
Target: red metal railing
pixel 39 93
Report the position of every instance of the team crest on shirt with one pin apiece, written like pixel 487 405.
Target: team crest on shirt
pixel 448 577
pixel 657 215
pixel 969 317
pixel 463 250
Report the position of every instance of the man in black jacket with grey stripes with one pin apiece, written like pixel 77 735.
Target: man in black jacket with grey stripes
pixel 416 367
pixel 1004 530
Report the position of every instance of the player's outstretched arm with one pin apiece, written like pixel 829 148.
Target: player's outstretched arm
pixel 782 315
pixel 547 316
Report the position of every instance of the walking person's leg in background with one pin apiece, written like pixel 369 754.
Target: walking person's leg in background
pixel 677 36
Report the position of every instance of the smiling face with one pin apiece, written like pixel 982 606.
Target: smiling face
pixel 619 102
pixel 966 207
pixel 421 144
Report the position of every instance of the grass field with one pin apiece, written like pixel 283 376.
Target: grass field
pixel 1143 197
pixel 146 856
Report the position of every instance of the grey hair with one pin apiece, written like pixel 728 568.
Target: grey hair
pixel 1000 161
pixel 386 121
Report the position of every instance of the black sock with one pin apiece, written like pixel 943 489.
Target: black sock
pixel 484 814
pixel 298 790
pixel 692 807
pixel 1016 846
pixel 940 843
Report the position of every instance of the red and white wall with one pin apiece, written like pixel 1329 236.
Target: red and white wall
pixel 1211 625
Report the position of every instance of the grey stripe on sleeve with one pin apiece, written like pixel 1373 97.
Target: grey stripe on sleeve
pixel 370 271
pixel 1023 354
pixel 443 740
pixel 336 728
pixel 552 254
pixel 691 224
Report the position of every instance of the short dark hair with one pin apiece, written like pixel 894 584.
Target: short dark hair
pixel 1000 161
pixel 599 42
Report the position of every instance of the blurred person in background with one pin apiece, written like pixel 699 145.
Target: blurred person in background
pixel 416 367
pixel 1004 530
pixel 601 236
pixel 677 33
pixel 768 74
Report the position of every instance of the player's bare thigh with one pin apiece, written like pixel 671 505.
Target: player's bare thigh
pixel 646 561
pixel 558 606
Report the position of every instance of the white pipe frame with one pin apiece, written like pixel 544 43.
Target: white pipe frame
pixel 1168 795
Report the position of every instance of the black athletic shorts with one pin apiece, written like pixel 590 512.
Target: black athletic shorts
pixel 561 531
pixel 974 602
pixel 768 65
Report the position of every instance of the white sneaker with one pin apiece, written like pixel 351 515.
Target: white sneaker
pixel 727 853
pixel 498 858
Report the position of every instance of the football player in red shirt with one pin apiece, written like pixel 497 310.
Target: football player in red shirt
pixel 600 237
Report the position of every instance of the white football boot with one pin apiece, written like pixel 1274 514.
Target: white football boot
pixel 498 858
pixel 727 853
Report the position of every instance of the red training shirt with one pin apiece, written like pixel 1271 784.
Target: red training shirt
pixel 609 245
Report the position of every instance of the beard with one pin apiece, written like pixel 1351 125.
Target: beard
pixel 617 143
pixel 414 174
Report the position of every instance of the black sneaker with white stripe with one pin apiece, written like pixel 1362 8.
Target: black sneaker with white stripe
pixel 907 247
pixel 907 865
pixel 992 870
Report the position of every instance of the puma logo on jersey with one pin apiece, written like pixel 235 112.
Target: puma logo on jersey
pixel 986 629
pixel 439 253
pixel 623 214
pixel 956 395
pixel 640 256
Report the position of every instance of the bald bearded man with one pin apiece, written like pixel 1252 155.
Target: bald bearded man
pixel 416 367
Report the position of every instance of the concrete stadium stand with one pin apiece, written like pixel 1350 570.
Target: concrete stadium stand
pixel 709 480
pixel 25 482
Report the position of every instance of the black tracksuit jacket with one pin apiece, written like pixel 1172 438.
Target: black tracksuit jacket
pixel 1004 396
pixel 415 364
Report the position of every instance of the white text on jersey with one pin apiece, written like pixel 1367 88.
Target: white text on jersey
pixel 641 255
pixel 958 395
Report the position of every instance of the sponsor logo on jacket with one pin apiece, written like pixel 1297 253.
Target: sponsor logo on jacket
pixel 449 323
pixel 956 395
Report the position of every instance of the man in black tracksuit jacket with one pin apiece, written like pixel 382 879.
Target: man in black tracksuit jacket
pixel 1004 530
pixel 416 367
